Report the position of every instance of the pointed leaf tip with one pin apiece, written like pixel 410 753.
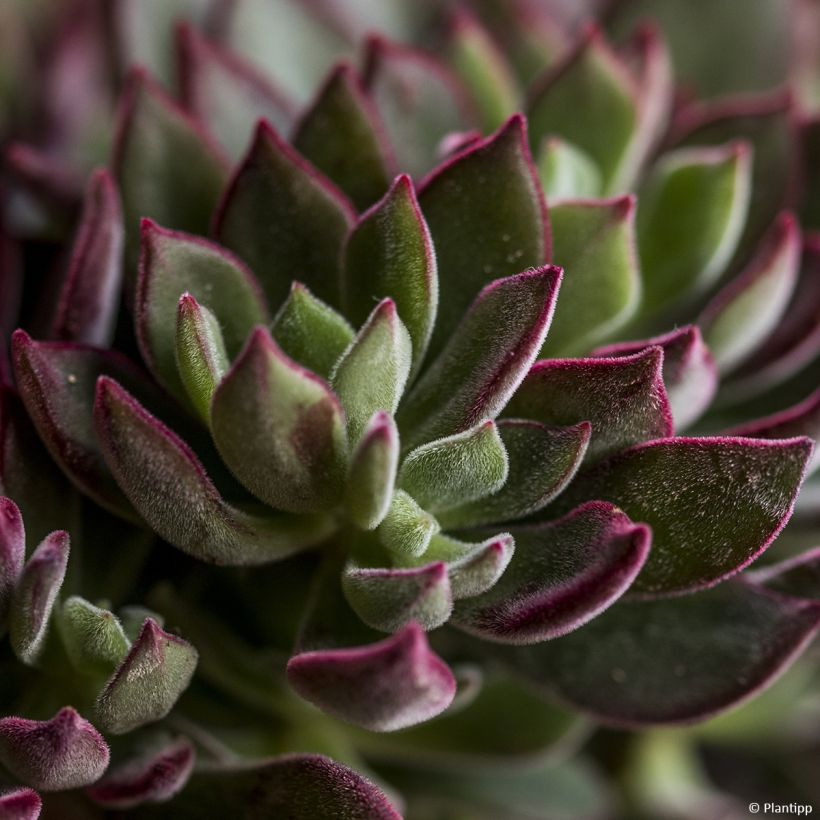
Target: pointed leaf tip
pixel 66 752
pixel 12 554
pixel 20 804
pixel 382 687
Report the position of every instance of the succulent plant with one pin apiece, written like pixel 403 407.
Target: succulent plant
pixel 400 437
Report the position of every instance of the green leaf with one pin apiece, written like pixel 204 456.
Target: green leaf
pixel 623 398
pixel 342 136
pixel 690 217
pixel 93 637
pixel 297 456
pixel 389 252
pixel 306 219
pixel 201 356
pixel 372 373
pixel 566 172
pixel 174 263
pixel 451 471
pixel 483 69
pixel 487 217
pixel 472 568
pixel 714 504
pixel 148 682
pixel 407 528
pixel 594 241
pixel 311 332
pixel 542 462
pixel 590 101
pixel 153 135
pixel 747 310
pixel 485 360
pixel 372 473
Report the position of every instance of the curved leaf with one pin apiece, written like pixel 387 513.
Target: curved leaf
pixel 798 576
pixel 20 804
pixel 93 637
pixel 12 555
pixel 407 528
pixel 567 172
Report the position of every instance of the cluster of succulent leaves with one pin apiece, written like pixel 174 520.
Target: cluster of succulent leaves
pixel 463 422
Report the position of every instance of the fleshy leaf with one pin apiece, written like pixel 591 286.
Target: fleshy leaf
pixel 174 263
pixel 623 398
pixel 372 473
pixel 225 93
pixel 388 599
pixel 20 804
pixel 594 241
pixel 605 126
pixel 473 568
pixel 673 661
pixel 407 528
pixel 341 134
pixel 89 298
pixel 487 217
pixel 306 219
pixel 200 351
pixel 146 685
pixel 297 458
pixel 690 217
pixel 93 637
pixel 798 576
pixel 12 555
pixel 35 596
pixel 486 359
pixel 452 471
pixel 542 462
pixel 566 172
pixel 483 69
pixel 747 310
pixel 801 420
pixel 714 504
pixel 57 382
pixel 390 253
pixel 169 486
pixel 372 373
pixel 418 99
pixel 310 331
pixel 154 777
pixel 382 687
pixel 562 575
pixel 689 372
pixel 153 137
pixel 299 787
pixel 66 752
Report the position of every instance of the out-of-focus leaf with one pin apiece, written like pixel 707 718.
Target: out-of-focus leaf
pixel 66 752
pixel 342 135
pixel 673 661
pixel 623 398
pixel 487 217
pixel 89 298
pixel 594 241
pixel 566 172
pixel 714 504
pixel 382 687
pixel 297 459
pixel 390 252
pixel 20 804
pixel 12 555
pixel 562 574
pixel 306 219
pixel 485 360
pixel 147 683
pixel 798 576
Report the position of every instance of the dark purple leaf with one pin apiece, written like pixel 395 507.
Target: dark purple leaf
pixel 673 661
pixel 66 752
pixel 306 219
pixel 488 219
pixel 562 574
pixel 382 687
pixel 12 554
pixel 153 777
pixel 689 373
pixel 798 576
pixel 90 295
pixel 486 359
pixel 623 398
pixel 713 504
pixel 167 483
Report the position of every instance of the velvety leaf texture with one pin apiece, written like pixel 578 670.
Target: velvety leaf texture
pixel 382 687
pixel 12 554
pixel 93 637
pixel 407 528
pixel 20 804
